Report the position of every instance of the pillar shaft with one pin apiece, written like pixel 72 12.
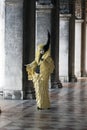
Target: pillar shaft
pixel 55 44
pixel 28 44
pixel 64 47
pixel 13 49
pixel 83 46
pixel 78 38
pixel 56 49
pixel 2 45
pixel 72 77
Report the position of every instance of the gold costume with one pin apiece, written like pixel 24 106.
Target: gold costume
pixel 41 80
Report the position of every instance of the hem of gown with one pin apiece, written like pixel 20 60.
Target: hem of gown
pixel 43 108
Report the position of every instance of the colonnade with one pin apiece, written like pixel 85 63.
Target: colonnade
pixel 25 24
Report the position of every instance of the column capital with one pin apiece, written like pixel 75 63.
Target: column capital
pixel 65 16
pixel 14 2
pixel 43 2
pixel 79 20
pixel 43 7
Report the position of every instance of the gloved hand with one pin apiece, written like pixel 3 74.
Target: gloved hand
pixel 37 70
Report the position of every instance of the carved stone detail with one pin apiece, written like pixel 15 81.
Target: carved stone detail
pixel 78 9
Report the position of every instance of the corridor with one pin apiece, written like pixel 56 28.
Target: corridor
pixel 68 111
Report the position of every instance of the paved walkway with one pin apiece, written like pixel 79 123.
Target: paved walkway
pixel 68 111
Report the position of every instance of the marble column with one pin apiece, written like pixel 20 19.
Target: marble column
pixel 72 77
pixel 64 47
pixel 78 39
pixel 28 45
pixel 85 19
pixel 84 42
pixel 55 45
pixel 85 74
pixel 2 45
pixel 13 49
pixel 2 48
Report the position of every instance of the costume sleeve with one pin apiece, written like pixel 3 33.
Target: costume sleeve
pixel 30 68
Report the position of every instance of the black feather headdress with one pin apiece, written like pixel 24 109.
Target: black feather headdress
pixel 46 46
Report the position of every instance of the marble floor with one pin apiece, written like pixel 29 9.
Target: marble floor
pixel 68 111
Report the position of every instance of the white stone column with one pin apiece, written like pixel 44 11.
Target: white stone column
pixel 64 47
pixel 13 49
pixel 2 44
pixel 78 24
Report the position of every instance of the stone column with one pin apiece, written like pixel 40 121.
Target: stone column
pixel 72 77
pixel 78 38
pixel 85 58
pixel 28 45
pixel 83 50
pixel 2 45
pixel 84 41
pixel 55 45
pixel 13 49
pixel 64 47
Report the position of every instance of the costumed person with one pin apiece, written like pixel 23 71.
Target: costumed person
pixel 39 72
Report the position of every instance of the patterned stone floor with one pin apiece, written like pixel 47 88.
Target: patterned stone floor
pixel 68 111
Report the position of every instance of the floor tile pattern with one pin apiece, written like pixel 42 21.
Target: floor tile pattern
pixel 68 111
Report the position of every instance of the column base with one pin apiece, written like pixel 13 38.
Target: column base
pixel 72 78
pixel 13 94
pixel 0 111
pixel 17 94
pixel 29 95
pixel 83 74
pixel 57 84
